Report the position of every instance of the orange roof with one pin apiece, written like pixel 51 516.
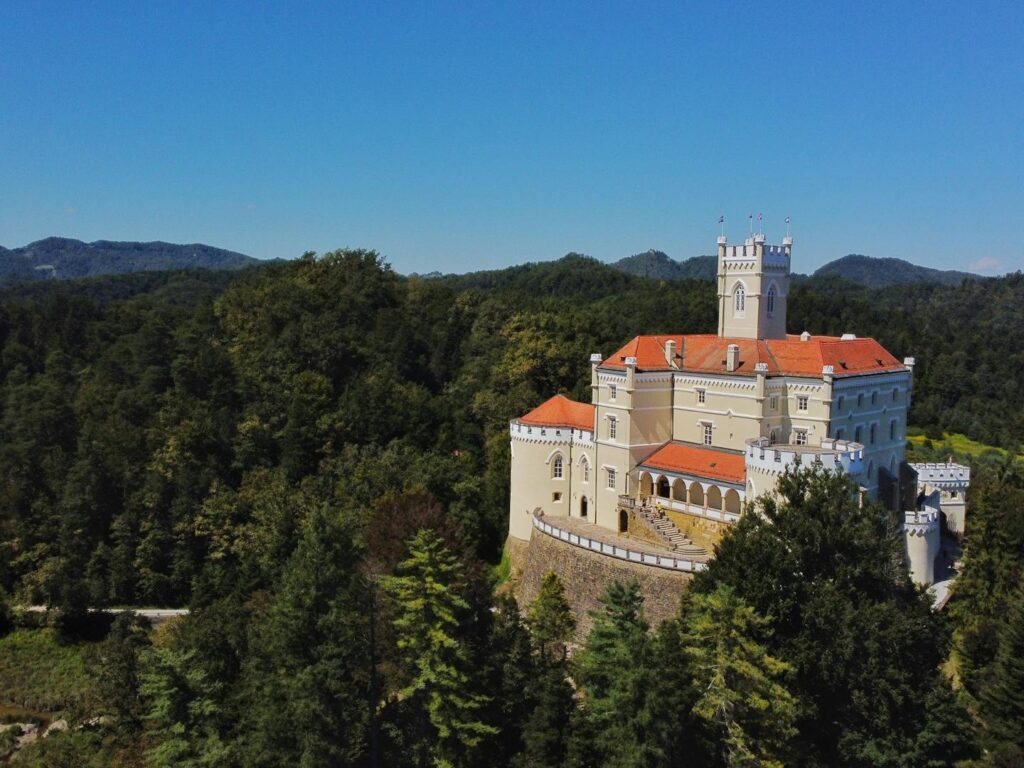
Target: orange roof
pixel 560 411
pixel 784 357
pixel 687 459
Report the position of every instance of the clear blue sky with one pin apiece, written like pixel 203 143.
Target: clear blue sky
pixel 471 135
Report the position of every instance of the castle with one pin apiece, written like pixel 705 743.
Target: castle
pixel 682 431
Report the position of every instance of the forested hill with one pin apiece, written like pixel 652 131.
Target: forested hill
pixel 64 258
pixel 863 270
pixel 879 273
pixel 294 450
pixel 658 265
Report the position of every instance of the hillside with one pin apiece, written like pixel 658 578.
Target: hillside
pixel 868 271
pixel 658 265
pixel 63 258
pixel 880 273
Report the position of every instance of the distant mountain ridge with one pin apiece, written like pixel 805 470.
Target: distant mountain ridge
pixel 659 265
pixel 64 258
pixel 864 270
pixel 882 272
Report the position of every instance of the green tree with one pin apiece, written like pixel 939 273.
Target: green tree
pixel 616 672
pixel 117 669
pixel 551 621
pixel 828 574
pixel 307 676
pixel 183 711
pixel 1002 699
pixel 428 595
pixel 743 692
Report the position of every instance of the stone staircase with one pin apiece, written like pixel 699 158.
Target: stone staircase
pixel 666 530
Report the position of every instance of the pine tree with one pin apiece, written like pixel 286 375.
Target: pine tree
pixel 551 621
pixel 743 695
pixel 546 733
pixel 1003 698
pixel 430 606
pixel 307 680
pixel 616 673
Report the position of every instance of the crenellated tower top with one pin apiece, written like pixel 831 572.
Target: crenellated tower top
pixel 753 283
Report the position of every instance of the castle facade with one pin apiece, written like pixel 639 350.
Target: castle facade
pixel 682 431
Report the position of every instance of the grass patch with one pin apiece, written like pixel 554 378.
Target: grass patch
pixel 502 572
pixel 39 672
pixel 956 444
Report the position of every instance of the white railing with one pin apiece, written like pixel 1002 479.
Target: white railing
pixel 834 455
pixel 668 562
pixel 534 433
pixel 696 510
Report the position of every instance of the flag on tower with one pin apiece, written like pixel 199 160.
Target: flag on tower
pixel 721 219
pixel 787 219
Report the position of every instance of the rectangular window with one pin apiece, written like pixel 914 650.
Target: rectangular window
pixel 892 429
pixel 873 434
pixel 586 471
pixel 857 434
pixel 839 434
pixel 707 433
pixel 613 427
pixel 700 396
pixel 613 391
pixel 556 496
pixel 611 479
pixel 801 402
pixel 773 402
pixel 800 436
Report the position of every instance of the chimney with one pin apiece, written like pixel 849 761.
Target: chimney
pixel 670 353
pixel 732 357
pixel 805 336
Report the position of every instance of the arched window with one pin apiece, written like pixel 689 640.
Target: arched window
pixel 739 298
pixel 770 302
pixel 586 469
pixel 556 467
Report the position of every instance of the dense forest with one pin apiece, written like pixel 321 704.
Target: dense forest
pixel 293 451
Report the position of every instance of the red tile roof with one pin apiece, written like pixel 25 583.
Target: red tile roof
pixel 560 411
pixel 687 459
pixel 784 357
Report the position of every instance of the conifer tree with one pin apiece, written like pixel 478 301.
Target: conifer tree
pixel 1003 698
pixel 429 600
pixel 616 673
pixel 551 621
pixel 546 732
pixel 307 680
pixel 743 695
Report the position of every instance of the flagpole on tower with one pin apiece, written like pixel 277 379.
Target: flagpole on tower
pixel 787 226
pixel 760 225
pixel 750 222
pixel 721 220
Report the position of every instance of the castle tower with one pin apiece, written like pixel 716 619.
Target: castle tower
pixel 753 283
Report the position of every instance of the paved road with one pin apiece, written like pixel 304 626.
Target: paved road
pixel 154 615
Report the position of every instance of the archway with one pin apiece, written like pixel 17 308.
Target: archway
pixel 696 494
pixel 732 501
pixel 663 487
pixel 678 490
pixel 714 497
pixel 623 521
pixel 583 507
pixel 646 485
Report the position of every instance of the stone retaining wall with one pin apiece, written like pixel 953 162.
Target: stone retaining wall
pixel 585 575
